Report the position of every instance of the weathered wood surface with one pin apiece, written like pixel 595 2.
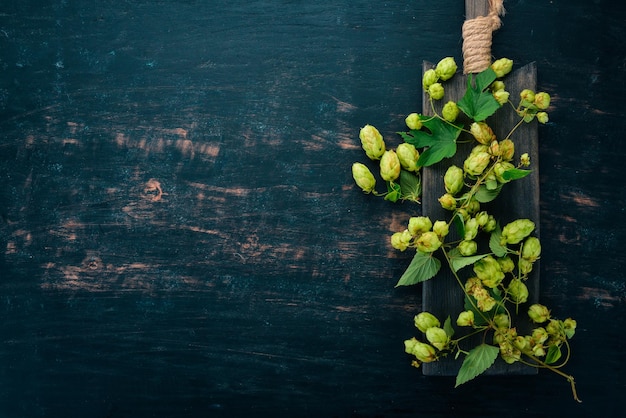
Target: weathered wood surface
pixel 179 232
pixel 519 199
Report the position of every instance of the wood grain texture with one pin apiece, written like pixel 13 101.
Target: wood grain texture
pixel 179 231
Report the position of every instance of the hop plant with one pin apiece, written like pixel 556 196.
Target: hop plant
pixel 499 260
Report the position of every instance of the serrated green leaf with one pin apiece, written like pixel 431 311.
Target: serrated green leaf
pixel 447 327
pixel 394 192
pixel 484 195
pixel 410 185
pixel 422 267
pixel 479 359
pixel 439 140
pixel 478 104
pixel 459 261
pixel 459 223
pixel 554 354
pixel 494 242
pixel 485 78
pixel 515 174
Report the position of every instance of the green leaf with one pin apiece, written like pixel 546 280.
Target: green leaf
pixel 485 78
pixel 494 242
pixel 479 359
pixel 459 223
pixel 484 195
pixel 515 174
pixel 477 103
pixel 394 191
pixel 410 185
pixel 458 261
pixel 422 267
pixel 440 140
pixel 554 354
pixel 447 327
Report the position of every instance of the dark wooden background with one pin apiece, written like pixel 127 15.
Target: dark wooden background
pixel 179 231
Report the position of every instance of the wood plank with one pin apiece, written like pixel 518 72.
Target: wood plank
pixel 519 199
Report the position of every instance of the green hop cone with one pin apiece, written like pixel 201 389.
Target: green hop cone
pixel 447 201
pixel 465 319
pixel 482 133
pixel 488 271
pixel 389 166
pixel 419 225
pixel 569 327
pixel 500 168
pixel 422 351
pixel 475 164
pixel 502 321
pixel 501 96
pixel 542 100
pixel 538 313
pixel 531 249
pixel 413 121
pixel 436 91
pixel 437 337
pixel 525 266
pixel 491 224
pixel 539 335
pixel 446 68
pixel 542 117
pixel 482 218
pixel 428 242
pixel 408 156
pixel 425 320
pixel 467 248
pixel 401 240
pixel 506 264
pixel 502 67
pixel 509 353
pixel 516 231
pixel 497 85
pixel 363 177
pixel 471 229
pixel 453 179
pixel 430 77
pixel 524 159
pixel 372 142
pixel 441 228
pixel 539 350
pixel 507 149
pixel 527 96
pixel 555 330
pixel 518 291
pixel 450 111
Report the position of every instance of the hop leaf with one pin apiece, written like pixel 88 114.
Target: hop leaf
pixel 477 103
pixel 422 267
pixel 479 359
pixel 441 140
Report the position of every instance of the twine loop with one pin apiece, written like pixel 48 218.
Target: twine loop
pixel 477 35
